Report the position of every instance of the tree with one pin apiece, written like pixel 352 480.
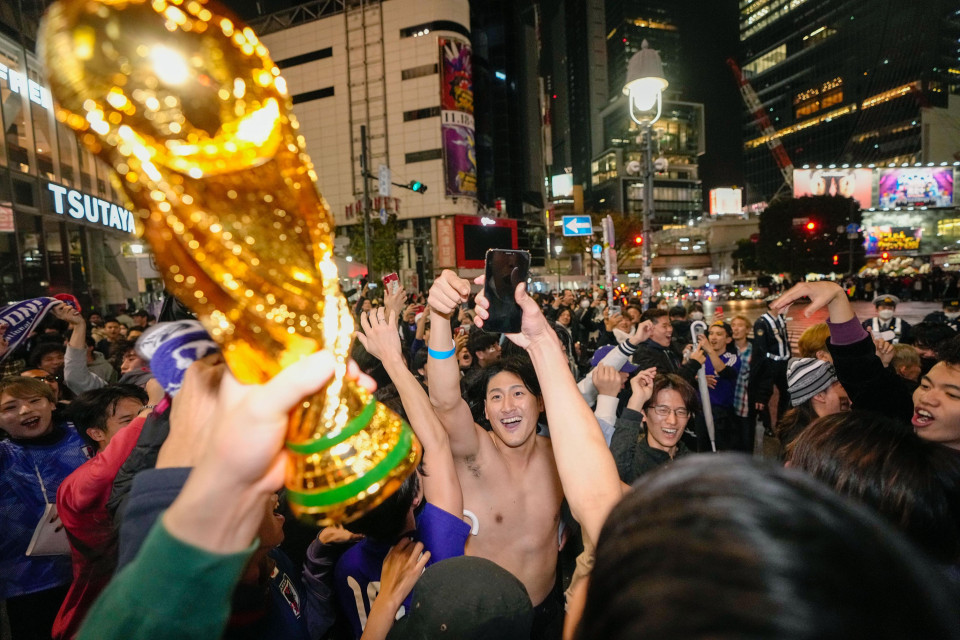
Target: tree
pixel 384 246
pixel 746 255
pixel 625 229
pixel 800 235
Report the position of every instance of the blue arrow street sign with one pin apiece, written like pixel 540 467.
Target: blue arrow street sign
pixel 597 250
pixel 577 226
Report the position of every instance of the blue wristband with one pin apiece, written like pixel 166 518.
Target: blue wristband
pixel 441 355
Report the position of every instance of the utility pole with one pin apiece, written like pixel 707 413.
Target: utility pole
pixel 366 202
pixel 647 213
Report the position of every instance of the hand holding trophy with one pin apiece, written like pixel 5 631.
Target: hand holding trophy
pixel 186 105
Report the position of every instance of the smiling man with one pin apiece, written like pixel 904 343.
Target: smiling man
pixel 508 474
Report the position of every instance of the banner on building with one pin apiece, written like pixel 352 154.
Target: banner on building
pixel 916 187
pixel 456 118
pixel 886 238
pixel 849 183
pixel 446 244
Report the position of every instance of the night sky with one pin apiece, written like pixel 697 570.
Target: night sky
pixel 709 35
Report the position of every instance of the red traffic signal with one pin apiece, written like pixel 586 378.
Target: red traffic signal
pixel 638 239
pixel 811 226
pixel 836 259
pixel 885 256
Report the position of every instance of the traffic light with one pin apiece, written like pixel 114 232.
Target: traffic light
pixel 811 226
pixel 638 239
pixel 836 259
pixel 419 187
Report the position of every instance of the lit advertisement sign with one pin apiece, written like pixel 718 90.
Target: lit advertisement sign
pixel 726 200
pixel 885 238
pixel 849 183
pixel 562 185
pixel 456 118
pixel 916 187
pixel 84 207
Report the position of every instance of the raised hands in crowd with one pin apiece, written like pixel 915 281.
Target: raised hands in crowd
pixel 177 496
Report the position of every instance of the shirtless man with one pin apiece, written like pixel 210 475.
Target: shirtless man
pixel 508 475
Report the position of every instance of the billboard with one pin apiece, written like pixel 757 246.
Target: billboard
pixel 726 200
pixel 916 187
pixel 850 183
pixel 561 186
pixel 887 238
pixel 456 119
pixel 474 235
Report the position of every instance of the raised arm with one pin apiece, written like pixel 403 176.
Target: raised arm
pixel 586 467
pixel 76 375
pixel 440 484
pixel 446 295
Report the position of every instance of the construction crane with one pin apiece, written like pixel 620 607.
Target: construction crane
pixel 766 127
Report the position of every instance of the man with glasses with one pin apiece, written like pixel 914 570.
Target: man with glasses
pixel 666 403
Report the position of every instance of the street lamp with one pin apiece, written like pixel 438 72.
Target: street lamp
pixel 644 89
pixel 557 249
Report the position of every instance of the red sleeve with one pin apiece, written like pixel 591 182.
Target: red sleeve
pixel 88 488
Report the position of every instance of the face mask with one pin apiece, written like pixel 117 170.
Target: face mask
pixel 584 304
pixel 696 315
pixel 952 315
pixel 885 314
pixel 663 306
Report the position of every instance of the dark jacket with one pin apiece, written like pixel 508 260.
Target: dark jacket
pixel 631 451
pixel 760 382
pixel 650 354
pixel 144 456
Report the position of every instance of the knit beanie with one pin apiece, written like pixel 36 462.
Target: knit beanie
pixel 806 377
pixel 171 347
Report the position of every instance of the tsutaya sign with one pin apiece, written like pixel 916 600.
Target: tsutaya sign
pixel 82 206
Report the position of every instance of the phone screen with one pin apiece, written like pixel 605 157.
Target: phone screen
pixel 505 269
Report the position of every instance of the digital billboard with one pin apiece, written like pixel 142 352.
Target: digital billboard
pixel 850 183
pixel 561 186
pixel 887 238
pixel 916 187
pixel 726 200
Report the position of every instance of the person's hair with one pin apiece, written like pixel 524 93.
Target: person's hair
pixel 518 365
pixel 813 339
pixel 24 388
pixel 107 319
pixel 723 325
pixel 44 349
pixel 673 382
pixel 389 396
pixel 743 319
pixel 913 483
pixel 653 314
pixel 419 362
pixel 792 423
pixel 677 312
pixel 932 335
pixel 635 306
pixel 904 355
pixel 949 351
pixel 480 341
pixel 728 547
pixel 386 521
pixel 92 409
pixel 118 350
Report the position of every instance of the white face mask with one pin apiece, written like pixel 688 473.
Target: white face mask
pixel 696 315
pixel 584 304
pixel 885 314
pixel 952 315
pixel 663 306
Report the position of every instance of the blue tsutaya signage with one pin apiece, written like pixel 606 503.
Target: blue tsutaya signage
pixel 91 209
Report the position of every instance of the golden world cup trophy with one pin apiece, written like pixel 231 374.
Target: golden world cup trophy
pixel 184 102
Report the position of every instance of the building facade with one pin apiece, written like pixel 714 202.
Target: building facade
pixel 844 82
pixel 63 228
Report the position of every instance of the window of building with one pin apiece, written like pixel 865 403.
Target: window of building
pixel 317 94
pixel 820 97
pixel 304 58
pixel 420 114
pixel 419 72
pixel 817 36
pixel 423 156
pixel 603 169
pixel 766 61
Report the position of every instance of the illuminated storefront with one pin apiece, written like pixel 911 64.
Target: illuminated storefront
pixel 62 228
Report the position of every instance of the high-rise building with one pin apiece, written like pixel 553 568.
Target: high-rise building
pixel 845 82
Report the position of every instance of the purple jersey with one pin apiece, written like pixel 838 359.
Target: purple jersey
pixel 357 575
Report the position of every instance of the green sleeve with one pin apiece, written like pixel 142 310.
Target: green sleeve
pixel 170 590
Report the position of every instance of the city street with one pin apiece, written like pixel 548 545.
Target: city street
pixel 797 322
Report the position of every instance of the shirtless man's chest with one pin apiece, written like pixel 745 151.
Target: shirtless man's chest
pixel 518 512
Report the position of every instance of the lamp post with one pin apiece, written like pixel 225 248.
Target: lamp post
pixel 644 91
pixel 557 248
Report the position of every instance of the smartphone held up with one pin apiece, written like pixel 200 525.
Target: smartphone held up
pixel 505 269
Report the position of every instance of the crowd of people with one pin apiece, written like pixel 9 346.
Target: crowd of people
pixel 607 472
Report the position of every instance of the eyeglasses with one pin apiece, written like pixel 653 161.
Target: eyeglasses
pixel 663 411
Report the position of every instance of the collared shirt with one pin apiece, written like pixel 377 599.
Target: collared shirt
pixel 740 402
